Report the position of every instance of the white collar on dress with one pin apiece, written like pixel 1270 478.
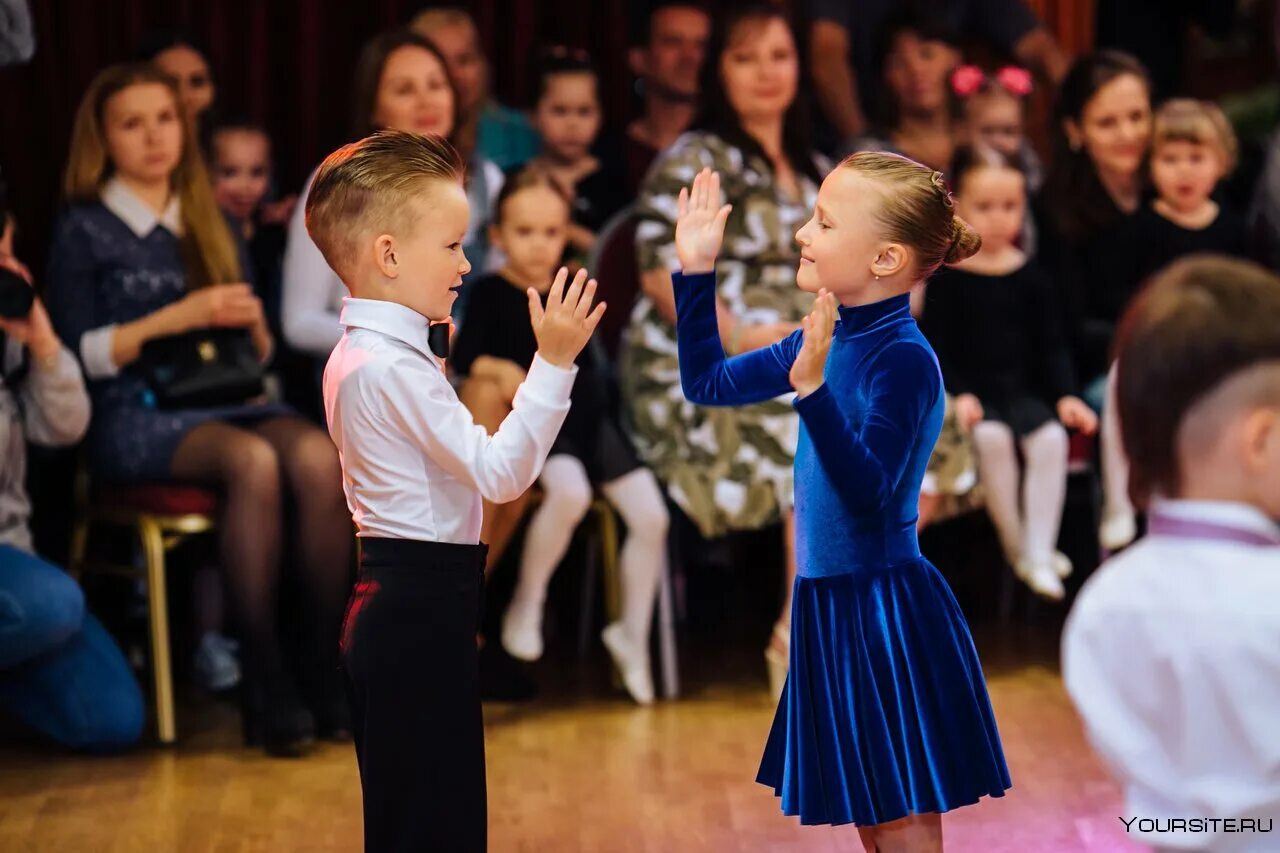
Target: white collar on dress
pixel 391 319
pixel 136 213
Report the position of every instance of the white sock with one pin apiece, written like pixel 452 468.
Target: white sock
pixel 1044 489
pixel 638 499
pixel 998 472
pixel 566 499
pixel 1115 465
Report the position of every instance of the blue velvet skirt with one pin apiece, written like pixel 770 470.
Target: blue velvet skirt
pixel 885 711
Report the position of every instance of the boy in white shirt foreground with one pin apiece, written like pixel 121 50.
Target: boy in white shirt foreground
pixel 389 214
pixel 1172 651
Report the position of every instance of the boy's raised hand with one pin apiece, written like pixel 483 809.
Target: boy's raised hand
pixel 565 325
pixel 700 220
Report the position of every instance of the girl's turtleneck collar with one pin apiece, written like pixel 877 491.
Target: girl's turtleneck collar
pixel 860 319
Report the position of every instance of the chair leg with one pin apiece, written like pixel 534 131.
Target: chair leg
pixel 161 668
pixel 609 551
pixel 586 609
pixel 667 636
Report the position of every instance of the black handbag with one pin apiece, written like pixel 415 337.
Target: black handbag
pixel 202 369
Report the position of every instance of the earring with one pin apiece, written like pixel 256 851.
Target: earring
pixel 877 278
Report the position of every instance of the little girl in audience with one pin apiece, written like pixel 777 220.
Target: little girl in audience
pixel 991 111
pixel 1193 148
pixel 567 117
pixel 493 351
pixel 241 164
pixel 992 322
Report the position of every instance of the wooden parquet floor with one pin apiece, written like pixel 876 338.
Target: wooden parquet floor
pixel 565 774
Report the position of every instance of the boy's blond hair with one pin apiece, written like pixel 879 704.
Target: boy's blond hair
pixel 367 187
pixel 1201 122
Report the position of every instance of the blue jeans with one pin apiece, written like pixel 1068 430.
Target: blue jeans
pixel 60 671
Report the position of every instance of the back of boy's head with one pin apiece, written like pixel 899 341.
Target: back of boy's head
pixel 1201 322
pixel 369 186
pixel 1201 122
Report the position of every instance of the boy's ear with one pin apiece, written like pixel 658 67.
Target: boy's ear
pixel 1258 436
pixel 384 255
pixel 495 238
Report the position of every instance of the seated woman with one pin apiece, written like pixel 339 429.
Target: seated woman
pixel 143 253
pixel 729 469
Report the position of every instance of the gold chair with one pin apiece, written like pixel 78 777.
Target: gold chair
pixel 161 516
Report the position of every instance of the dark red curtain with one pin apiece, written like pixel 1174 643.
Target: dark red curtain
pixel 284 63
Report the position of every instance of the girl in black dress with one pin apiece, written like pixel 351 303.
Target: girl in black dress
pixel 493 351
pixel 993 323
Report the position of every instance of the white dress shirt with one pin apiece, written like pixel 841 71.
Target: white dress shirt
pixel 1172 657
pixel 414 463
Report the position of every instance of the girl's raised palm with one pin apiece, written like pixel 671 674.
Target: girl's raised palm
pixel 700 220
pixel 809 368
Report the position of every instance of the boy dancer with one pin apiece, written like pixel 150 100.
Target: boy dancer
pixel 389 214
pixel 1172 651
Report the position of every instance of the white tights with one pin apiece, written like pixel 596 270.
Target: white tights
pixel 566 499
pixel 1029 531
pixel 1115 465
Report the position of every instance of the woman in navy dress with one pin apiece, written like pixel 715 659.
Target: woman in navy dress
pixel 884 721
pixel 143 253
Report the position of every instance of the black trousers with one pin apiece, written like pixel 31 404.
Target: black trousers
pixel 410 661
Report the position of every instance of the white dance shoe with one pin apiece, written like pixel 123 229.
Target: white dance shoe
pixel 522 632
pixel 1118 529
pixel 632 661
pixel 1042 577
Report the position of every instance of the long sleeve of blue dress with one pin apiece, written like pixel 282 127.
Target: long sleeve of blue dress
pixel 707 376
pixel 888 390
pixel 865 459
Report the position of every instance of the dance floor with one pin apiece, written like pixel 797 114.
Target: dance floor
pixel 579 769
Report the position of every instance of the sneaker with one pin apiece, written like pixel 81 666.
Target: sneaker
pixel 632 661
pixel 1118 529
pixel 216 667
pixel 1042 577
pixel 522 632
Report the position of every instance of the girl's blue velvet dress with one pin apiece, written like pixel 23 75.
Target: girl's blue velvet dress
pixel 885 711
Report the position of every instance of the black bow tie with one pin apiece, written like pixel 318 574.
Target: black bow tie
pixel 438 339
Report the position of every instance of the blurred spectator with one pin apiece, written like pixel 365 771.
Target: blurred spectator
pixel 567 117
pixel 920 54
pixel 485 127
pixel 144 254
pixel 1093 194
pixel 17 35
pixel 729 469
pixel 60 671
pixel 666 59
pixel 847 64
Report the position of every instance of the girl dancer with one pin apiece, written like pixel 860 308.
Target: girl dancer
pixel 884 720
